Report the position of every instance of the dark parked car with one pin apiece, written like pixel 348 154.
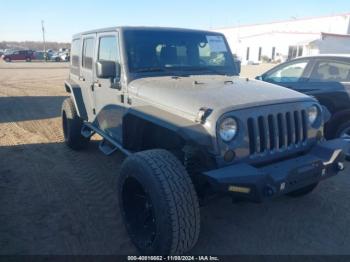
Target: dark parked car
pixel 327 78
pixel 26 55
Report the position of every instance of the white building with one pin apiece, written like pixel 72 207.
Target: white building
pixel 279 41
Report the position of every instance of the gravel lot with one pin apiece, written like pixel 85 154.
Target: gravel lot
pixel 56 201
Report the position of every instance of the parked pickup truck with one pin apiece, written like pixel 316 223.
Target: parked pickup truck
pixel 171 101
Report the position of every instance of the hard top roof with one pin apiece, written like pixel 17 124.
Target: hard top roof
pixel 325 55
pixel 143 28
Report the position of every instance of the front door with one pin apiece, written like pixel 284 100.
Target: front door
pixel 108 93
pixel 16 56
pixel 291 74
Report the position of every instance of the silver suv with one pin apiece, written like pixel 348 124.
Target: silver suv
pixel 171 101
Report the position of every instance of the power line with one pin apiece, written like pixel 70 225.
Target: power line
pixel 43 29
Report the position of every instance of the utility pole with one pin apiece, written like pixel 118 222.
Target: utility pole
pixel 43 29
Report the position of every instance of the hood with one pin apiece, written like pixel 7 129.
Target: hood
pixel 219 93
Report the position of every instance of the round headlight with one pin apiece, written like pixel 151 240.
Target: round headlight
pixel 312 114
pixel 228 129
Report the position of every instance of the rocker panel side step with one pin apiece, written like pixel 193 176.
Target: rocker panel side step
pixel 87 132
pixel 109 139
pixel 107 148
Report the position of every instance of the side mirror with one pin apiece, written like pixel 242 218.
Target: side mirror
pixel 107 69
pixel 238 66
pixel 259 78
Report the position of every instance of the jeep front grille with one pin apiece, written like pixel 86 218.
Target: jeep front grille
pixel 277 131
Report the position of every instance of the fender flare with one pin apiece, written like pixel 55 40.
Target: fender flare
pixel 189 131
pixel 77 97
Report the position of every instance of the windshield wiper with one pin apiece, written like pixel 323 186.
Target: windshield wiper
pixel 176 69
pixel 150 69
pixel 205 69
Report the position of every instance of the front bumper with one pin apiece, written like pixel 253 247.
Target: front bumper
pixel 259 183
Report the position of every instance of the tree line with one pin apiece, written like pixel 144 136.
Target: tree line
pixel 33 45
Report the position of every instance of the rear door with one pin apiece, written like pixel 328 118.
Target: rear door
pixel 87 70
pixel 329 82
pixel 109 93
pixel 22 55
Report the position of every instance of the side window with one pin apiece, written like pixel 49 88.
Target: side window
pixel 75 52
pixel 88 53
pixel 290 73
pixel 338 71
pixel 108 49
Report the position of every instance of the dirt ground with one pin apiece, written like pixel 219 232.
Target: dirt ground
pixel 57 201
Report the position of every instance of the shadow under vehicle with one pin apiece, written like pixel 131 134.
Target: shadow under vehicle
pixel 172 101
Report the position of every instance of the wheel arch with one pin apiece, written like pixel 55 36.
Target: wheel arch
pixel 143 126
pixel 75 93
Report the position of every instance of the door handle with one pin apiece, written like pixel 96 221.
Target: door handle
pixel 97 84
pixel 81 78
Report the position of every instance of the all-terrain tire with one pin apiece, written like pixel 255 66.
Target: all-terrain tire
pixel 71 125
pixel 172 203
pixel 303 191
pixel 8 60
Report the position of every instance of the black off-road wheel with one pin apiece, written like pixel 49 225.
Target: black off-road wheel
pixel 72 125
pixel 303 191
pixel 8 60
pixel 158 203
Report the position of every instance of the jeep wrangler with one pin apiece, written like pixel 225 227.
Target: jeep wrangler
pixel 172 102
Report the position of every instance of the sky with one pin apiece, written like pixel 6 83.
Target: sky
pixel 21 19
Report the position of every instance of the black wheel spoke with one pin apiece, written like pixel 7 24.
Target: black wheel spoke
pixel 139 210
pixel 148 200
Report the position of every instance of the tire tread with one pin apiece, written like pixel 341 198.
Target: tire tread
pixel 180 194
pixel 75 140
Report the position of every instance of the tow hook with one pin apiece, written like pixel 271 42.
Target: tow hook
pixel 340 166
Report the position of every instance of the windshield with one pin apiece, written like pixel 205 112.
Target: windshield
pixel 174 51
